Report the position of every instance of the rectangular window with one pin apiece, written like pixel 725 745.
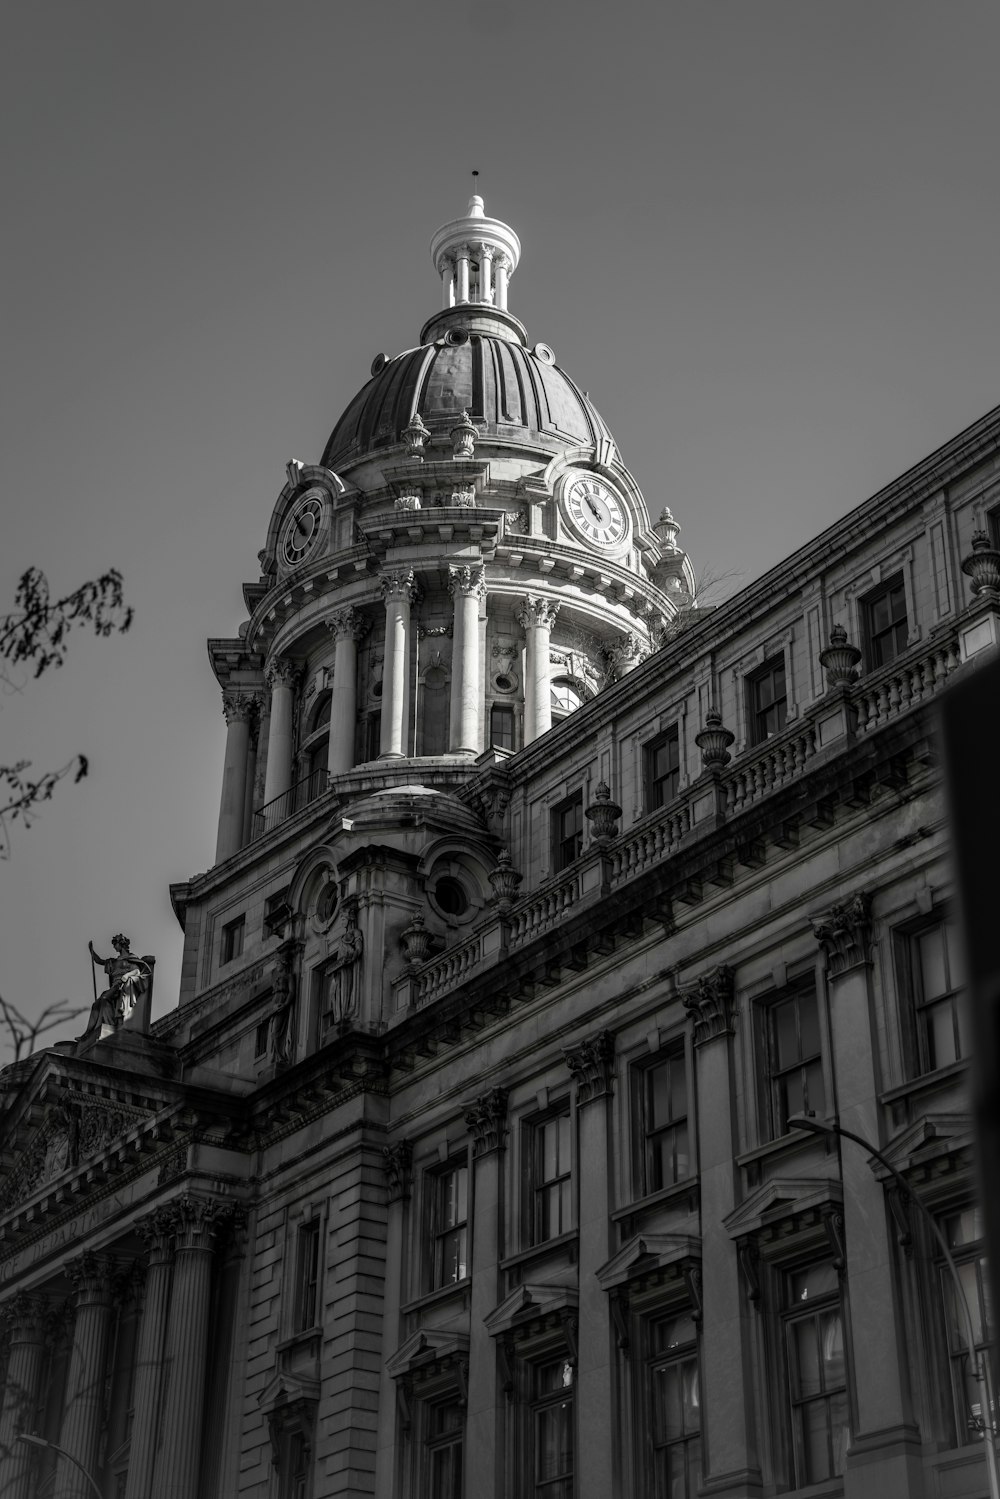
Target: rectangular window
pixel 993 527
pixel 552 1430
pixel 883 621
pixel 550 1177
pixel 567 831
pixel 662 767
pixel 445 1429
pixel 936 979
pixel 766 700
pixel 261 1038
pixel 307 1276
pixel 373 736
pixel 817 1373
pixel 794 1058
pixel 673 1403
pixel 232 939
pixel 663 1116
pixel 963 1234
pixel 502 728
pixel 449 1225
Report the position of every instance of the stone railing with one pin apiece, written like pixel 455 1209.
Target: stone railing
pixel 655 839
pixel 444 972
pixel 541 910
pixel 903 684
pixel 771 765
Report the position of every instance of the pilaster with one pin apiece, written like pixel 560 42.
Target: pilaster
pixel 487 1123
pixel 398 1167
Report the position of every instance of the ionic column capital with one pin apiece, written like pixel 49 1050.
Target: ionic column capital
pixel 399 585
pixel 537 613
pixel 348 624
pixel 239 706
pixel 845 934
pixel 467 581
pixel 281 670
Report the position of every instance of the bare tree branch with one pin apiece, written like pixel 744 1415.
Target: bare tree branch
pixel 21 1034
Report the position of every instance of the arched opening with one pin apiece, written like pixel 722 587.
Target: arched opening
pixel 566 696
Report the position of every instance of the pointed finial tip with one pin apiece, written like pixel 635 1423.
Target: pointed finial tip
pixel 475 207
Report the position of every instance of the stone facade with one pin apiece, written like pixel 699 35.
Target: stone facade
pixel 464 1164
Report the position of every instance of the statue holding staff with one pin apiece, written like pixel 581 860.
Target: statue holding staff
pixel 127 980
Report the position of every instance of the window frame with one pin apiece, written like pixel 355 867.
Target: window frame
pixel 510 717
pixel 536 1185
pixel 774 1110
pixel 438 1232
pixel 970 1252
pixel 232 940
pixel 432 1443
pixel 918 1007
pixel 539 1405
pixel 756 712
pixel 872 638
pixel 308 1275
pixel 566 848
pixel 654 792
pixel 654 1361
pixel 792 1317
pixel 673 1054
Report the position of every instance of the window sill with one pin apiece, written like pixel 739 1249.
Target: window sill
pixel 298 1340
pixel 456 1289
pixel 924 1083
pixel 539 1251
pixel 788 1144
pixel 663 1198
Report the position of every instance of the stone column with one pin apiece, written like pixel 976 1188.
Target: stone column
pixel 399 592
pixel 730 1461
pixel 502 267
pixel 485 270
pixel 178 1457
pixel 239 708
pixel 884 1454
pixel 536 617
pixel 281 678
pixel 157 1230
pixel 487 1121
pixel 347 627
pixel 24 1316
pixel 462 256
pixel 398 1160
pixel 468 589
pixel 448 283
pixel 251 778
pixel 83 1409
pixel 592 1064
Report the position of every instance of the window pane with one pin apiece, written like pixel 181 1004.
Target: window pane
pixel 815 1093
pixel 933 973
pixel 806 1377
pixel 942 1044
pixel 786 1039
pixel 554 1441
pixel 809 1025
pixel 832 1348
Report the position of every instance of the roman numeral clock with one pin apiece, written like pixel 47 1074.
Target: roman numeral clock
pixel 595 513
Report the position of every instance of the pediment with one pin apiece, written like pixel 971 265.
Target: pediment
pixel 933 1137
pixel 528 1303
pixel 782 1198
pixel 429 1345
pixel 645 1253
pixel 285 1389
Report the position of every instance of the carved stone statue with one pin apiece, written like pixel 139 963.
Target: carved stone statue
pixel 127 980
pixel 344 976
pixel 284 1003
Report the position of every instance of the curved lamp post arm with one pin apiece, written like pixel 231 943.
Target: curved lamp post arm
pixel 40 1442
pixel 814 1127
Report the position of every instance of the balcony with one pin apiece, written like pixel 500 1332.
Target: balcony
pixel 292 800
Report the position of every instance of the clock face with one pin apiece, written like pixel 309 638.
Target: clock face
pixel 596 512
pixel 302 529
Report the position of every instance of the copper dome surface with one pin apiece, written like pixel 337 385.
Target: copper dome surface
pixel 505 388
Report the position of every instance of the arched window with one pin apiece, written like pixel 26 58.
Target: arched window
pixel 567 695
pixel 315 752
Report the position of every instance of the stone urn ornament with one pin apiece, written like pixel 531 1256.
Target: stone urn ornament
pixel 463 437
pixel 415 940
pixel 983 566
pixel 415 435
pixel 505 880
pixel 603 814
pixel 840 659
pixel 714 741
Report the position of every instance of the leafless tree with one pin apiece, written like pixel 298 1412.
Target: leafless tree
pixel 34 638
pixel 19 1035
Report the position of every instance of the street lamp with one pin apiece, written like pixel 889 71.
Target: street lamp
pixel 976 1362
pixel 30 1441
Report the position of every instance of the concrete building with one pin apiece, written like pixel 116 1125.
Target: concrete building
pixel 543 899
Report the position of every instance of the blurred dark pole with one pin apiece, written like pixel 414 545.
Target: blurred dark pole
pixel 971 735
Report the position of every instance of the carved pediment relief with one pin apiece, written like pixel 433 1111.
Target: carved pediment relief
pixel 70 1133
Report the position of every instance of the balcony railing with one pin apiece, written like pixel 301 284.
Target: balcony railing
pixel 292 800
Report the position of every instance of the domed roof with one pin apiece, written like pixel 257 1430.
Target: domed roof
pixel 503 386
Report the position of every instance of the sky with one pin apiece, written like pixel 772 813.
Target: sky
pixel 762 235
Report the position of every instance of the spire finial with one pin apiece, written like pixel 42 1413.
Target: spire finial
pixel 476 204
